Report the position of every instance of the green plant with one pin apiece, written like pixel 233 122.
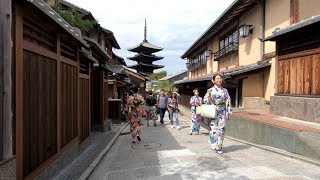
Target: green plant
pixel 75 19
pixel 165 85
pixel 159 75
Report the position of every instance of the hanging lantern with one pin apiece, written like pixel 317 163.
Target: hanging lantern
pixel 244 30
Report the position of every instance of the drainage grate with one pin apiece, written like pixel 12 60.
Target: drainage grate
pixel 146 146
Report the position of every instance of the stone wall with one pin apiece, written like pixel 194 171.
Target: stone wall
pixel 307 109
pixel 305 143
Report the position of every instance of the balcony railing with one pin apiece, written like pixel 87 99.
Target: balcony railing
pixel 196 65
pixel 225 51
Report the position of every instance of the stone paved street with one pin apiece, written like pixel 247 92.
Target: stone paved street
pixel 166 153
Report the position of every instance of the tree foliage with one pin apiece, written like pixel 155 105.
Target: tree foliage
pixel 159 75
pixel 75 18
pixel 165 85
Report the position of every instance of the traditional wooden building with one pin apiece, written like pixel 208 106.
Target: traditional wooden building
pixel 51 87
pixel 298 70
pixel 233 46
pixel 145 56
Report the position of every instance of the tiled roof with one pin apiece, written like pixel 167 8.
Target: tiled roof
pixel 118 69
pixel 296 26
pixel 147 65
pixel 173 75
pixel 146 44
pixel 46 9
pixel 227 74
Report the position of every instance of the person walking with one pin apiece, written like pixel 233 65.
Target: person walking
pixel 169 95
pixel 173 109
pixel 218 96
pixel 162 102
pixel 151 108
pixel 195 101
pixel 135 112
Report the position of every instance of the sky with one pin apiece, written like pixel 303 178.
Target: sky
pixel 173 25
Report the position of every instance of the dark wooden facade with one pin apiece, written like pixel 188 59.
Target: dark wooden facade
pixel 52 90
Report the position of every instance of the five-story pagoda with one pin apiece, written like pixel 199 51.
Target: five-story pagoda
pixel 145 56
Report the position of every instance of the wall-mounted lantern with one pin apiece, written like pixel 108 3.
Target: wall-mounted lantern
pixel 207 53
pixel 245 30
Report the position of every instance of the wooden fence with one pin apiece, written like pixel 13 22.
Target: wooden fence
pixel 299 76
pixel 52 92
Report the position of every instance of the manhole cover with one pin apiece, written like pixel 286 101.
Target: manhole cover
pixel 145 145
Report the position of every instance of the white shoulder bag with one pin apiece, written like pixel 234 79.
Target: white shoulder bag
pixel 209 111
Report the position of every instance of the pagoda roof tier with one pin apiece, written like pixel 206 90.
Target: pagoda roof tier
pixel 145 46
pixel 145 57
pixel 145 66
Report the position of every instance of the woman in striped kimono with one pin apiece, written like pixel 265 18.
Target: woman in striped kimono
pixel 220 97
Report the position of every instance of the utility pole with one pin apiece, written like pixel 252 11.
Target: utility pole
pixel 6 45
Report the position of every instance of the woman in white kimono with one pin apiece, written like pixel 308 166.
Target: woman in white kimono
pixel 218 96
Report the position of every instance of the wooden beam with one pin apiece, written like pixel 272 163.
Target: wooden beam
pixel 19 88
pixel 69 61
pixel 29 46
pixel 300 54
pixel 294 11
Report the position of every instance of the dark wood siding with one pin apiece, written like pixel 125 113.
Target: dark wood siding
pixel 69 103
pixel 39 114
pixel 84 102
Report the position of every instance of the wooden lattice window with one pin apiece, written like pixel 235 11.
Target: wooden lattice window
pixel 39 35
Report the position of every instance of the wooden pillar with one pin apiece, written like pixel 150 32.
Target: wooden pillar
pixel 294 11
pixel 5 80
pixel 89 87
pixel 58 93
pixel 78 94
pixel 102 99
pixel 19 88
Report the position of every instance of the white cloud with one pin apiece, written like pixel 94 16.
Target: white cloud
pixel 172 24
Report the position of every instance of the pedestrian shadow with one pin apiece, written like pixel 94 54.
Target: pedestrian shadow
pixel 233 148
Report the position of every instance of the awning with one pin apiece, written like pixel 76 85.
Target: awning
pixel 227 74
pixel 281 32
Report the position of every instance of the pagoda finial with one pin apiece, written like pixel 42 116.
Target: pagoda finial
pixel 145 30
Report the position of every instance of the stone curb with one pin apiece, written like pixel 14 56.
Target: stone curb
pixel 97 160
pixel 278 151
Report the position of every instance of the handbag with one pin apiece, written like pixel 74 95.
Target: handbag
pixel 199 109
pixel 209 111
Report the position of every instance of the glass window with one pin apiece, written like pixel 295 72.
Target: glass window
pixel 235 36
pixel 221 44
pixel 226 43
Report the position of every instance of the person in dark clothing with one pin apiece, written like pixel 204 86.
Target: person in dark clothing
pixel 151 108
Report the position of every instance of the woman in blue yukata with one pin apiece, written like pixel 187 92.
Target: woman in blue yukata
pixel 195 101
pixel 218 96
